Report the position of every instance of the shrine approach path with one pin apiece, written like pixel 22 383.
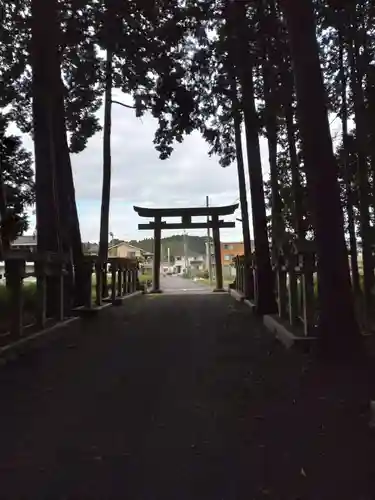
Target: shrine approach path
pixel 181 397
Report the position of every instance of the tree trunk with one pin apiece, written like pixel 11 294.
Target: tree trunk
pixel 346 174
pixel 356 78
pixel 249 282
pixel 265 285
pixel 4 240
pixel 271 113
pixel 264 276
pixel 287 102
pixel 370 97
pixel 338 328
pixel 57 217
pixel 70 231
pixel 43 86
pixel 106 190
pixel 44 58
pixel 278 228
pixel 68 207
pixel 299 225
pixel 236 109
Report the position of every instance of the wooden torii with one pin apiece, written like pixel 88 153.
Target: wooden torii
pixel 186 214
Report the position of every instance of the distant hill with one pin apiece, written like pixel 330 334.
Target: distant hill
pixel 195 245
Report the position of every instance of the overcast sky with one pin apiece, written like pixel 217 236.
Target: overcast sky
pixel 139 177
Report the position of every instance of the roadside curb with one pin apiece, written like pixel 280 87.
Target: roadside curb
pixel 277 327
pixel 239 297
pixel 281 331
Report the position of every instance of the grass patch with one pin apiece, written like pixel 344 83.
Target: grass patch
pixel 29 298
pixel 29 301
pixel 145 277
pixel 30 293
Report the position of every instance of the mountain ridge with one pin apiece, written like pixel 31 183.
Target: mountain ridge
pixel 196 245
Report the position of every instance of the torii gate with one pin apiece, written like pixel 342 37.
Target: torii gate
pixel 186 214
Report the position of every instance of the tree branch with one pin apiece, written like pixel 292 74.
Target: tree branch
pixel 122 104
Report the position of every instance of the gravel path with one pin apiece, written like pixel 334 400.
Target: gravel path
pixel 181 398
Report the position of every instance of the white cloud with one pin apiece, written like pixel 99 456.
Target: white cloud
pixel 139 177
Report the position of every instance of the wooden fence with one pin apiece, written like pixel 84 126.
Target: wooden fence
pixel 294 266
pixel 53 275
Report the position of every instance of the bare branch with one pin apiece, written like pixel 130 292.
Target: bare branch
pixel 122 104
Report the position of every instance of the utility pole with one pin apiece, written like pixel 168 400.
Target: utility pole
pixel 209 246
pixel 185 252
pixel 162 257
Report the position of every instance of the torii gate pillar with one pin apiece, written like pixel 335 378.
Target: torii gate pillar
pixel 157 257
pixel 217 250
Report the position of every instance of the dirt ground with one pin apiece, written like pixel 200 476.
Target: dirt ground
pixel 182 397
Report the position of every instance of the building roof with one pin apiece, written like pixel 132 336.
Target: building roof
pixel 128 245
pixel 25 240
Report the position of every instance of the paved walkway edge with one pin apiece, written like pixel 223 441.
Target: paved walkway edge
pixel 284 334
pixel 14 349
pixel 236 295
pixel 119 301
pixel 274 324
pixel 240 297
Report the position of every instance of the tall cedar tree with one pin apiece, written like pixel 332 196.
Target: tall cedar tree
pixel 264 276
pixel 16 186
pixel 109 32
pixel 337 323
pixel 57 217
pixel 236 111
pixel 17 174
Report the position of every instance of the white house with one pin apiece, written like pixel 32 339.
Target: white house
pixel 193 263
